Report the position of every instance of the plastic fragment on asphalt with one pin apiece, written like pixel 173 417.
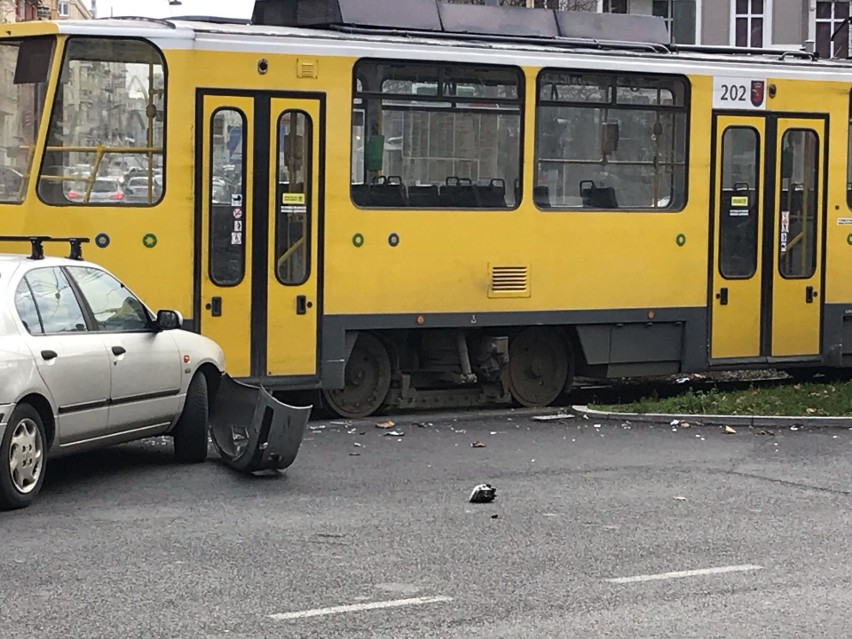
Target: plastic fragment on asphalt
pixel 395 433
pixel 359 445
pixel 495 516
pixel 551 418
pixel 317 427
pixel 730 431
pixel 477 444
pixel 483 494
pixel 385 425
pixel 679 498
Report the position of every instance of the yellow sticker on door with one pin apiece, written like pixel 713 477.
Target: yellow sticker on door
pixel 293 198
pixel 739 200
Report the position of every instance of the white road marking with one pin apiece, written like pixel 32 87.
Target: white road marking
pixel 376 605
pixel 684 573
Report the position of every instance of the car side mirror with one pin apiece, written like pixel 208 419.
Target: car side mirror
pixel 169 320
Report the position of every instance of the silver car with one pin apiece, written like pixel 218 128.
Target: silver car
pixel 84 364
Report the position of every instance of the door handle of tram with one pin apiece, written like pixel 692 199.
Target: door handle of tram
pixel 301 305
pixel 722 296
pixel 810 294
pixel 215 306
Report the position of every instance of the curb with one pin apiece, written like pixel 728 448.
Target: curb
pixel 753 421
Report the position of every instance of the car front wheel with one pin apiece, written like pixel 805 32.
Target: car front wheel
pixel 23 453
pixel 190 434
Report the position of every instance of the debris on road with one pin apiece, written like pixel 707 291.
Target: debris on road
pixel 766 431
pixel 551 418
pixel 483 494
pixel 317 427
pixel 395 433
pixel 385 425
pixel 477 444
pixel 359 445
pixel 495 516
pixel 730 431
pixel 354 454
pixel 679 498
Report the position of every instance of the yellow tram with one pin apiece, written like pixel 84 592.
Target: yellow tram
pixel 414 203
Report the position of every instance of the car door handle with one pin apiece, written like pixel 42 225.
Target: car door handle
pixel 49 355
pixel 722 296
pixel 215 306
pixel 810 294
pixel 118 350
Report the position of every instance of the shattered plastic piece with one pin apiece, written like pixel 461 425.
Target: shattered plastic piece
pixel 493 432
pixel 317 427
pixel 354 454
pixel 252 430
pixel 674 422
pixel 477 444
pixel 766 431
pixel 597 425
pixel 495 516
pixel 395 433
pixel 682 380
pixel 551 418
pixel 385 425
pixel 684 424
pixel 483 494
pixel 794 428
pixel 730 431
pixel 359 445
pixel 679 498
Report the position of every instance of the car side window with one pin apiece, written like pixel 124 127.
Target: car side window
pixel 114 307
pixel 25 305
pixel 55 300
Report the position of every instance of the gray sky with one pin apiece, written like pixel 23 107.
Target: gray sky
pixel 161 8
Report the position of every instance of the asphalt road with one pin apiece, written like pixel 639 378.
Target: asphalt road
pixel 380 540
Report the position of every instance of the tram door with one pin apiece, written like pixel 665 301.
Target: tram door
pixel 258 202
pixel 768 226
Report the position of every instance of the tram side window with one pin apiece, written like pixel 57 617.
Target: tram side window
pixel 436 136
pixel 849 158
pixel 227 198
pixel 105 141
pixel 609 141
pixel 799 198
pixel 738 203
pixel 293 197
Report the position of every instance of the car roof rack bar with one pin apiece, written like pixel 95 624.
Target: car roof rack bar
pixel 37 244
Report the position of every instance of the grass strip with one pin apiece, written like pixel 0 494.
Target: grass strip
pixel 795 400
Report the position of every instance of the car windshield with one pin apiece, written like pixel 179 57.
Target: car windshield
pixel 24 69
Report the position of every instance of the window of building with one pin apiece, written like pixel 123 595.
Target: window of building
pixel 609 141
pixel 107 126
pixel 428 135
pixel 616 6
pixel 63 8
pixel 830 18
pixel 228 223
pixel 663 9
pixel 749 17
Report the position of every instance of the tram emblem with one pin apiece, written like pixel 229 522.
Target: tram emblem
pixel 757 92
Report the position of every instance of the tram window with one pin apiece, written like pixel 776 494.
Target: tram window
pixel 107 126
pixel 738 203
pixel 227 198
pixel 293 198
pixel 610 141
pixel 799 186
pixel 427 136
pixel 849 158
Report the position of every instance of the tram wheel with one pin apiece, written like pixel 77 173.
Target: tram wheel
pixel 539 366
pixel 367 380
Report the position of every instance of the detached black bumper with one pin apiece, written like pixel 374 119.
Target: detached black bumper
pixel 254 431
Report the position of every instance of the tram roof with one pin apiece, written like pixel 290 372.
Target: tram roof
pixel 203 33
